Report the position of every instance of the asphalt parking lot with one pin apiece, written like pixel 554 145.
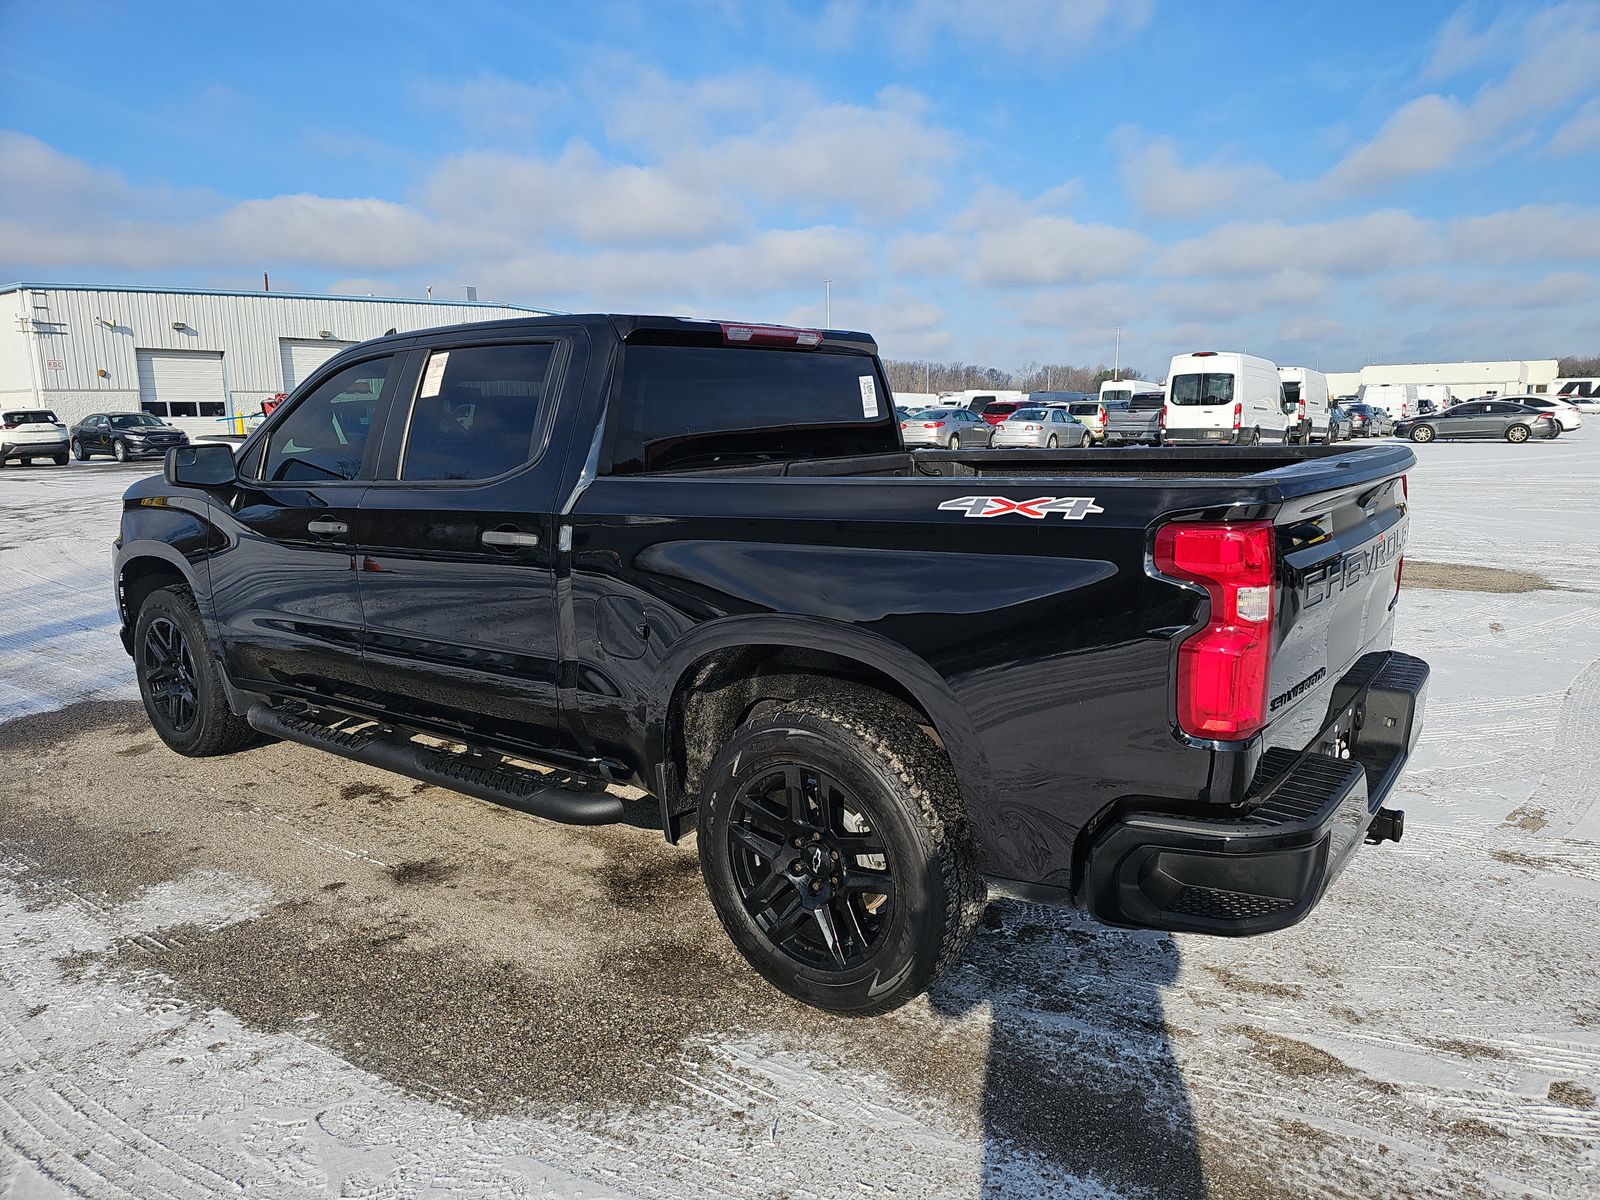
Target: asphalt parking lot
pixel 286 974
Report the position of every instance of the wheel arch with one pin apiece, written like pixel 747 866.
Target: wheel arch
pixel 143 568
pixel 713 680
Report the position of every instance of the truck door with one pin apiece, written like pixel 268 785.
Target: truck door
pixel 457 553
pixel 284 589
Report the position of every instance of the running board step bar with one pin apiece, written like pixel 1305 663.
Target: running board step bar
pixel 480 775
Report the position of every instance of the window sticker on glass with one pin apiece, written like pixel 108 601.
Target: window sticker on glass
pixel 433 377
pixel 869 396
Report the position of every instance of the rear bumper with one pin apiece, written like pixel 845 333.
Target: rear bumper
pixel 32 449
pixel 1265 868
pixel 1203 437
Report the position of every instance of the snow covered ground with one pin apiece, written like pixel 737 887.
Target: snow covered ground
pixel 281 974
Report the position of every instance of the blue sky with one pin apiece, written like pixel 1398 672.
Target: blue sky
pixel 999 182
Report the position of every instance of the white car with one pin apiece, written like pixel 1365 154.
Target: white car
pixel 1566 415
pixel 30 433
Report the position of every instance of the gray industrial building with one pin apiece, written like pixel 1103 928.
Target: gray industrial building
pixel 195 356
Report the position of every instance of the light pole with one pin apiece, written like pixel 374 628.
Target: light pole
pixel 1116 369
pixel 827 304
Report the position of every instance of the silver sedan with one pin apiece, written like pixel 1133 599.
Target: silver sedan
pixel 952 428
pixel 1041 428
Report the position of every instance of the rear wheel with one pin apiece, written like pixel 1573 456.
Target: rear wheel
pixel 1088 440
pixel 836 852
pixel 1255 437
pixel 78 452
pixel 1518 433
pixel 1422 433
pixel 179 682
pixel 1053 444
pixel 60 460
pixel 954 443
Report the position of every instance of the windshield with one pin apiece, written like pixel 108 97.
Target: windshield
pixel 30 416
pixel 1027 414
pixel 134 420
pixel 1207 389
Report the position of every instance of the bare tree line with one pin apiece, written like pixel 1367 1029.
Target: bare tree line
pixel 1573 367
pixel 918 375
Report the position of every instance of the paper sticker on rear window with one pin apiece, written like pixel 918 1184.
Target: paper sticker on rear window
pixel 433 377
pixel 869 396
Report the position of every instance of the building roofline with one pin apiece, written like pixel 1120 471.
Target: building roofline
pixel 24 285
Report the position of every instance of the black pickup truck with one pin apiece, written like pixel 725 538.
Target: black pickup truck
pixel 529 559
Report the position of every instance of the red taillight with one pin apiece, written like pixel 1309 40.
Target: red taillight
pixel 1405 488
pixel 1100 414
pixel 1161 419
pixel 1302 410
pixel 1238 414
pixel 1032 428
pixel 933 424
pixel 1223 668
pixel 745 335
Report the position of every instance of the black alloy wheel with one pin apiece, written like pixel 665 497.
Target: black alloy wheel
pixel 167 665
pixel 811 871
pixel 78 452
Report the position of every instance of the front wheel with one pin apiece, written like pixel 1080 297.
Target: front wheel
pixel 1518 433
pixel 119 450
pixel 179 682
pixel 1422 433
pixel 836 852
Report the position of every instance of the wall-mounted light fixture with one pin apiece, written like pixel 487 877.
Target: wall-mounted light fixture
pixel 103 373
pixel 324 333
pixel 179 326
pixel 108 322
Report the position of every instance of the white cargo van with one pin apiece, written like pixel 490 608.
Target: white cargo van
pixel 1123 389
pixel 1305 401
pixel 1223 398
pixel 1439 393
pixel 1399 400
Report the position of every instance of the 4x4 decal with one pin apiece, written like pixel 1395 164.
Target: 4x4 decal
pixel 1072 508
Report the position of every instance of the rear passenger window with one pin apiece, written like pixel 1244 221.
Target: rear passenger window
pixel 477 411
pixel 325 435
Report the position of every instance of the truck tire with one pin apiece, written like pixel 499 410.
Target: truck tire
pixel 179 680
pixel 836 852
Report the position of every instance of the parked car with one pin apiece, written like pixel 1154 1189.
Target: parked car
pixel 30 433
pixel 1482 419
pixel 1091 414
pixel 1041 428
pixel 1568 416
pixel 998 410
pixel 1338 424
pixel 1367 421
pixel 951 428
pixel 1136 421
pixel 707 566
pixel 124 436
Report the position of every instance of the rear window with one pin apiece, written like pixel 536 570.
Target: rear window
pixel 1029 414
pixel 686 406
pixel 1000 409
pixel 1145 401
pixel 1206 389
pixel 1084 410
pixel 30 416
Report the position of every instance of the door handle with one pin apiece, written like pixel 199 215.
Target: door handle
pixel 509 537
pixel 323 527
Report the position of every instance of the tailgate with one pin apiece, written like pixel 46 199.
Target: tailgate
pixel 1341 554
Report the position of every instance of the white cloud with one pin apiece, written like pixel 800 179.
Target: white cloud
pixel 1157 182
pixel 1029 28
pixel 1550 50
pixel 1580 133
pixel 1364 245
pixel 1044 250
pixel 520 197
pixel 1533 233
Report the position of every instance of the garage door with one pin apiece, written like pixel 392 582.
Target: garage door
pixel 182 383
pixel 301 356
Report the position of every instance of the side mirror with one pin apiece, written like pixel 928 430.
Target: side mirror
pixel 207 465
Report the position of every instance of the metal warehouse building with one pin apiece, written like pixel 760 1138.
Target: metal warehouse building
pixel 1505 377
pixel 192 355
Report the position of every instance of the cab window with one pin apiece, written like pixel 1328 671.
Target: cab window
pixel 325 435
pixel 477 411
